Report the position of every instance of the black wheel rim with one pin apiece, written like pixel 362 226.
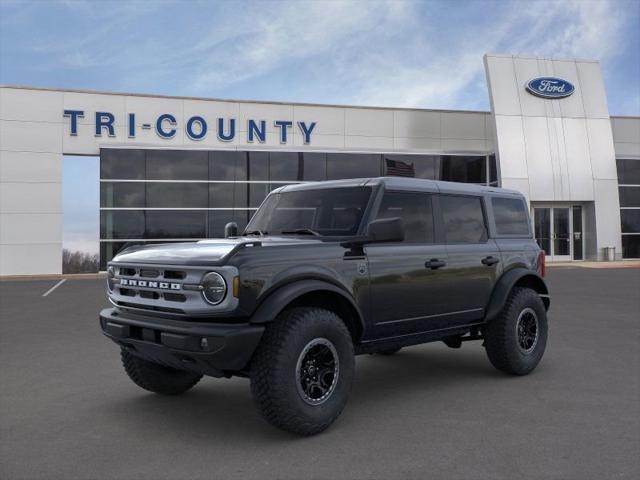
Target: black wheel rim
pixel 527 330
pixel 317 371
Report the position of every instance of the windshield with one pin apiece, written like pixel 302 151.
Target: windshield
pixel 326 212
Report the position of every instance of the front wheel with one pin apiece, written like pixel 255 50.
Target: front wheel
pixel 302 371
pixel 515 340
pixel 157 378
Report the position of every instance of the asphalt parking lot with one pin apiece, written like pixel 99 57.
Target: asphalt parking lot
pixel 67 410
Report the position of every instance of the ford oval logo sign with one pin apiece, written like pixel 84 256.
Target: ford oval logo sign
pixel 550 87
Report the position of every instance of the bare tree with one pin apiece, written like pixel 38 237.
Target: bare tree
pixel 79 262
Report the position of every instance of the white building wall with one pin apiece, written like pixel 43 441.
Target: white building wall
pixel 626 136
pixel 559 150
pixel 30 182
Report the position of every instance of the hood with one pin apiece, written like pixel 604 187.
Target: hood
pixel 204 252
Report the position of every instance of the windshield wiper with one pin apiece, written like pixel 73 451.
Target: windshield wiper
pixel 301 231
pixel 255 232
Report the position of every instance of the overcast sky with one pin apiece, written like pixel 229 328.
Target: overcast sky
pixel 391 53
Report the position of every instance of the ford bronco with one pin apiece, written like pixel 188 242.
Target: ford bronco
pixel 325 271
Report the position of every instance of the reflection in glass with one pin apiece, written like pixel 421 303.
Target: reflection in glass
pixel 221 195
pixel 122 195
pixel 542 222
pixel 463 219
pixel 285 166
pixel 577 232
pixel 629 196
pixel 510 216
pixel 124 164
pixel 177 165
pixel 177 195
pixel 493 171
pixel 561 240
pixel 257 194
pixel 467 169
pixel 329 211
pixel 176 224
pixel 121 224
pixel 314 166
pixel 258 166
pixel 630 221
pixel 628 171
pixel 352 165
pixel 631 246
pixel 415 211
pixel 227 165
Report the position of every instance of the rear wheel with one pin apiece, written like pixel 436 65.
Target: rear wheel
pixel 302 371
pixel 515 341
pixel 157 378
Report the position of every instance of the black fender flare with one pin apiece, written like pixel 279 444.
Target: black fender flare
pixel 282 296
pixel 505 284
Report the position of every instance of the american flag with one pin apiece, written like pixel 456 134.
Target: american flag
pixel 398 168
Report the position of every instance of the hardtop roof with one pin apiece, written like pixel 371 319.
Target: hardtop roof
pixel 402 183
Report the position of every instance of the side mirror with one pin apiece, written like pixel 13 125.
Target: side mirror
pixel 231 230
pixel 385 230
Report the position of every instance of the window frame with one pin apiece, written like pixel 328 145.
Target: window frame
pixel 493 233
pixel 438 232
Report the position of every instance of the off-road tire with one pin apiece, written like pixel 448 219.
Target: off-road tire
pixel 274 375
pixel 157 378
pixel 501 337
pixel 389 351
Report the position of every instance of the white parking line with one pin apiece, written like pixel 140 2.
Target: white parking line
pixel 54 287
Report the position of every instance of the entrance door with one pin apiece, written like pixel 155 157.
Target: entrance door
pixel 561 234
pixel 558 231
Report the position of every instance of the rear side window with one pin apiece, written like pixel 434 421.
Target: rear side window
pixel 463 219
pixel 510 215
pixel 415 211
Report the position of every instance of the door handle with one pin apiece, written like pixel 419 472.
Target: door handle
pixel 434 264
pixel 488 261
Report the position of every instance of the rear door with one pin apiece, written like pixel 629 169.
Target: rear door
pixel 473 258
pixel 406 279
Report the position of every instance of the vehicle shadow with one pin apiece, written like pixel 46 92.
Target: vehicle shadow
pixel 217 406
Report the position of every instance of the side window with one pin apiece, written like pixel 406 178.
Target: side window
pixel 463 219
pixel 415 211
pixel 510 215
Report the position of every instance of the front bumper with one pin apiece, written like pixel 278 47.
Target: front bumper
pixel 213 349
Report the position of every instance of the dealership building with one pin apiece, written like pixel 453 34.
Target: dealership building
pixel 178 168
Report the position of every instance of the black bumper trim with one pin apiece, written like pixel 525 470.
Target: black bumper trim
pixel 207 348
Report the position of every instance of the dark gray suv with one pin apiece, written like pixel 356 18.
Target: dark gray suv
pixel 325 271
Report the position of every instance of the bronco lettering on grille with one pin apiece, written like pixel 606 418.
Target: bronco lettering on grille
pixel 130 282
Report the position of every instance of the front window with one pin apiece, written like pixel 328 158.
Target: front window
pixel 327 212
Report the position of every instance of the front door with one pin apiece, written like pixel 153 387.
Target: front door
pixel 558 231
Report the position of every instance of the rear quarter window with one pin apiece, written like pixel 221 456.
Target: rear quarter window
pixel 510 215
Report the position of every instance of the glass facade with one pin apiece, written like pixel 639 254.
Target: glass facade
pixel 629 191
pixel 149 196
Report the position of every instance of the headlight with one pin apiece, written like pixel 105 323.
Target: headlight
pixel 214 288
pixel 111 273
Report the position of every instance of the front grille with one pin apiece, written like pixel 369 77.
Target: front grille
pixel 174 275
pixel 147 273
pixel 174 297
pixel 153 295
pixel 152 273
pixel 153 308
pixel 172 289
pixel 149 294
